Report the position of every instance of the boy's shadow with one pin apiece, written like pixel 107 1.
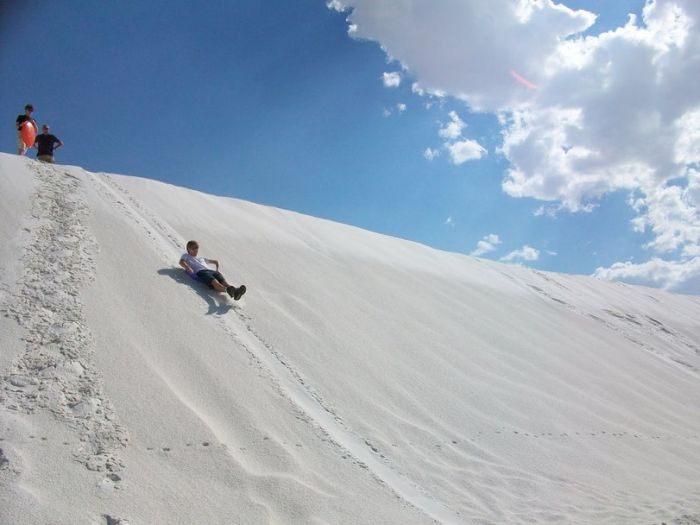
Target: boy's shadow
pixel 218 304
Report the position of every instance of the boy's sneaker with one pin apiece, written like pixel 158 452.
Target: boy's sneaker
pixel 231 291
pixel 238 292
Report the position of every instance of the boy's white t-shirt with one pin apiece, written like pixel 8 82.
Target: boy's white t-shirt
pixel 196 263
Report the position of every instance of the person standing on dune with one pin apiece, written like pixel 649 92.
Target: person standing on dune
pixel 21 119
pixel 46 144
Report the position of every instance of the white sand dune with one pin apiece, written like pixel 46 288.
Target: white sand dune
pixel 362 379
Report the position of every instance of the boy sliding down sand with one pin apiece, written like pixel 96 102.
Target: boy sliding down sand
pixel 197 266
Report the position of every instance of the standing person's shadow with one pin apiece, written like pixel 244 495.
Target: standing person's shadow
pixel 218 303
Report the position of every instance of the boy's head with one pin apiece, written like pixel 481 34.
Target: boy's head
pixel 28 108
pixel 192 246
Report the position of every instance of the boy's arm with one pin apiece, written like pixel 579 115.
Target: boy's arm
pixel 214 262
pixel 185 266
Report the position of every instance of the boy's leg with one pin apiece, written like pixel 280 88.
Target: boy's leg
pixel 223 286
pixel 220 284
pixel 217 285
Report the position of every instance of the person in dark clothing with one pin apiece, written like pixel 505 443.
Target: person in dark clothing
pixel 46 144
pixel 21 119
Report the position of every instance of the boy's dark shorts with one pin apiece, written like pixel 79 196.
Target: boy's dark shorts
pixel 207 276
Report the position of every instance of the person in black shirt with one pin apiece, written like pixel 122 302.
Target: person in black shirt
pixel 46 144
pixel 21 119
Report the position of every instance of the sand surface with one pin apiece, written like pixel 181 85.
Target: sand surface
pixel 362 378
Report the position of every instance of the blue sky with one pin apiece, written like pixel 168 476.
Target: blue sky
pixel 277 103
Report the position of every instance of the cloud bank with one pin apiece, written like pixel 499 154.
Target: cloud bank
pixel 582 116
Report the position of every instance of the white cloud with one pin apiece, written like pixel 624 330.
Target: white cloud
pixel 670 275
pixel 465 150
pixel 632 122
pixel 488 244
pixel 672 216
pixel 392 79
pixel 671 213
pixel 460 151
pixel 687 147
pixel 431 154
pixel 526 253
pixel 453 129
pixel 450 221
pixel 336 5
pixel 581 116
pixel 400 108
pixel 467 49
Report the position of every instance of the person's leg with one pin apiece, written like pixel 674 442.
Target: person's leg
pixel 215 281
pixel 223 286
pixel 217 285
pixel 220 284
pixel 21 146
